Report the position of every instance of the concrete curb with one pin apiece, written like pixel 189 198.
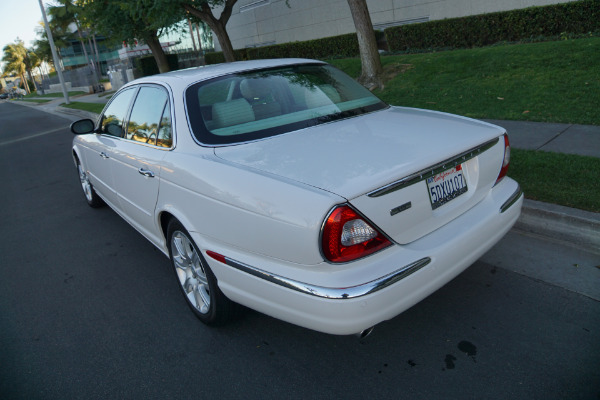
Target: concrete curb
pixel 581 228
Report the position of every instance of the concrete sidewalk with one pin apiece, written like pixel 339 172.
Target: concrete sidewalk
pixel 583 140
pixel 576 227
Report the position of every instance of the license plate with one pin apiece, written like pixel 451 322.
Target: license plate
pixel 446 186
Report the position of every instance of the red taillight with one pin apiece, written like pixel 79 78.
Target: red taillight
pixel 347 236
pixel 505 161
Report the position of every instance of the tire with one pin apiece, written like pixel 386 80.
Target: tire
pixel 197 282
pixel 89 192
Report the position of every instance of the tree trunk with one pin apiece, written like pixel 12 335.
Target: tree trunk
pixel 30 74
pixel 372 70
pixel 25 84
pixel 199 38
pixel 85 53
pixel 96 72
pixel 224 41
pixel 158 53
pixel 204 13
pixel 41 89
pixel 97 54
pixel 192 34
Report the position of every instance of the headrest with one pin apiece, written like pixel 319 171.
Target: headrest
pixel 256 88
pixel 234 112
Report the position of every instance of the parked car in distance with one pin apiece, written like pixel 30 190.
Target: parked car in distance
pixel 3 95
pixel 286 187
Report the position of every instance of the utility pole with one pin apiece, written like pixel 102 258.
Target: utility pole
pixel 54 55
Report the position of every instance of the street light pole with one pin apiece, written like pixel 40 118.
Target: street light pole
pixel 54 55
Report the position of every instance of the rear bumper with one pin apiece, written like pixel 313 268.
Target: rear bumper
pixel 404 274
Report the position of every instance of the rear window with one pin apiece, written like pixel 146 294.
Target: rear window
pixel 262 103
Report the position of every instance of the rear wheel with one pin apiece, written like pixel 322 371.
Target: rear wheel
pixel 91 196
pixel 197 281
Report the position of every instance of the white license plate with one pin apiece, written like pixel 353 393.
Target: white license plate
pixel 446 186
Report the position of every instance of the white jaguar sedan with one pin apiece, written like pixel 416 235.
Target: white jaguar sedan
pixel 286 187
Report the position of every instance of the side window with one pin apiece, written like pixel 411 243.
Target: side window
pixel 165 135
pixel 112 120
pixel 146 114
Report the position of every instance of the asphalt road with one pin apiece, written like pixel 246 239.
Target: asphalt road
pixel 90 310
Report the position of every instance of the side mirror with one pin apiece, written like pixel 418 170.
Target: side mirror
pixel 82 126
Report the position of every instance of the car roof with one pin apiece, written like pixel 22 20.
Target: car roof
pixel 190 75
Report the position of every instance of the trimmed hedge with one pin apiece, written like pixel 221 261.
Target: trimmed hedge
pixel 578 17
pixel 334 46
pixel 574 18
pixel 147 65
pixel 342 45
pixel 217 57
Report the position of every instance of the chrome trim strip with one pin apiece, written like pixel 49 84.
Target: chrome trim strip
pixel 512 199
pixel 433 170
pixel 329 292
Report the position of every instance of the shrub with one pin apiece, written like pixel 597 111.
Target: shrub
pixel 217 57
pixel 342 46
pixel 147 65
pixel 577 17
pixel 214 58
pixel 334 46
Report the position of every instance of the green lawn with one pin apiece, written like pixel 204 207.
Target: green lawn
pixel 564 179
pixel 544 82
pixel 548 82
pixel 79 105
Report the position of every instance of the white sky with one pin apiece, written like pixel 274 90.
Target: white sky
pixel 19 18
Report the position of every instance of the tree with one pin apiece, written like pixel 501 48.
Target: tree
pixel 16 58
pixel 31 61
pixel 65 14
pixel 202 10
pixel 203 33
pixel 41 45
pixel 131 20
pixel 372 70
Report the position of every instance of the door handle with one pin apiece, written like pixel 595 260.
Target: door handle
pixel 146 172
pixel 103 155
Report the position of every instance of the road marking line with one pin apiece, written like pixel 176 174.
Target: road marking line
pixel 32 136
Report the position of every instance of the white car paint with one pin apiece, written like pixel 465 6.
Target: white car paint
pixel 262 205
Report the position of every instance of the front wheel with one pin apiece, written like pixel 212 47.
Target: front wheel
pixel 91 196
pixel 197 281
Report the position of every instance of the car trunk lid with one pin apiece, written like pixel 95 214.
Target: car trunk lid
pixel 362 158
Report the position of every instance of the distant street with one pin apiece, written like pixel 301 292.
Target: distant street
pixel 89 309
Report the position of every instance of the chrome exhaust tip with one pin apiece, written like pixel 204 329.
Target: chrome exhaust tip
pixel 363 334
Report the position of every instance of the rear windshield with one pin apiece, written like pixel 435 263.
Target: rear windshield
pixel 257 104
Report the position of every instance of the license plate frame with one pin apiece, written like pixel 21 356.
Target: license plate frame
pixel 446 186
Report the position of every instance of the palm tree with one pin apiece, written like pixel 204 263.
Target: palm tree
pixel 31 61
pixel 15 56
pixel 41 45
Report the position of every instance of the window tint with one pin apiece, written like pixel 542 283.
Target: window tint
pixel 262 103
pixel 165 136
pixel 146 114
pixel 112 120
